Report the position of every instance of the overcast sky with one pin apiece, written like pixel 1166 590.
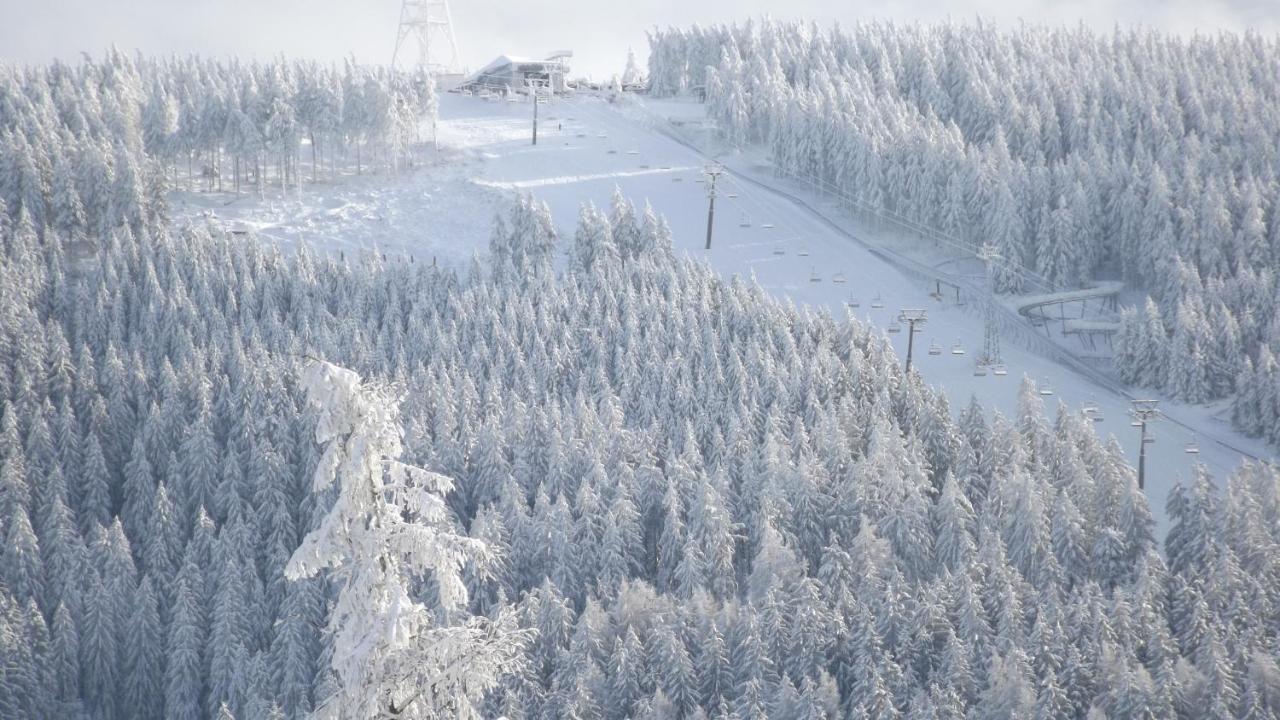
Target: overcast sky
pixel 598 31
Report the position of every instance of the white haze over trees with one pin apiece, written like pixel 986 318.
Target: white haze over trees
pixel 694 501
pixel 334 30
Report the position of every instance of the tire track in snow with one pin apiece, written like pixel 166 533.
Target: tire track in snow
pixel 570 179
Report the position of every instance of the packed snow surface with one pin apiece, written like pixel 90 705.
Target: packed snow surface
pixel 794 243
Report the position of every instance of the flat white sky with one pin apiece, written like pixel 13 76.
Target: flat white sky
pixel 598 31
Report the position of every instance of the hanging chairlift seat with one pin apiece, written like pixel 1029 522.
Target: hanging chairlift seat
pixel 804 252
pixel 814 276
pixel 979 370
pixel 1046 389
pixel 746 223
pixel 838 278
pixel 1192 448
pixel 894 327
pixel 957 349
pixel 935 348
pixel 999 370
pixel 853 302
pixel 779 251
pixel 767 226
pixel 876 302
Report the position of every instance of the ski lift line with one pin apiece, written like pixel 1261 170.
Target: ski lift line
pixel 1027 275
pixel 1031 340
pixel 1039 345
pixel 661 125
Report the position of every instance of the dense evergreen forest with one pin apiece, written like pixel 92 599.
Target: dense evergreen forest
pixel 1078 155
pixel 706 503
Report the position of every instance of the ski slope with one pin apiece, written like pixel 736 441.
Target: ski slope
pixel 792 242
pixel 589 147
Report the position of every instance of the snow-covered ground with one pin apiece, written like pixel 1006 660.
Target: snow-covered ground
pixel 430 212
pixel 795 244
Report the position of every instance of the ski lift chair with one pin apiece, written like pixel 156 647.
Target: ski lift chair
pixel 957 349
pixel 814 277
pixel 999 370
pixel 1192 448
pixel 1092 412
pixel 1046 389
pixel 979 370
pixel 876 302
pixel 767 226
pixel 935 348
pixel 838 278
pixel 894 327
pixel 746 223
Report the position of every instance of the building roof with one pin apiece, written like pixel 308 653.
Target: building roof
pixel 506 60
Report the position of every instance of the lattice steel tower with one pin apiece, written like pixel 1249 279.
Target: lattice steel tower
pixel 428 24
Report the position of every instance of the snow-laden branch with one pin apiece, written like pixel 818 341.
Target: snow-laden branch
pixel 388 528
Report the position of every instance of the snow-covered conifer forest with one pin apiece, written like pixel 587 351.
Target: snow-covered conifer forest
pixel 1079 155
pixel 606 481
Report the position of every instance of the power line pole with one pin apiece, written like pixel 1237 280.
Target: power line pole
pixel 912 317
pixel 1143 412
pixel 991 342
pixel 713 173
pixel 533 90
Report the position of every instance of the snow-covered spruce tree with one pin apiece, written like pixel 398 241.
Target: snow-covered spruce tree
pixel 389 542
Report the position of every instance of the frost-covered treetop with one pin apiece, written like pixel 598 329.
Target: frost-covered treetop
pixel 388 530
